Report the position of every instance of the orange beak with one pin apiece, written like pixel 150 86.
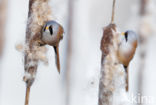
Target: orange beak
pixel 47 28
pixel 123 33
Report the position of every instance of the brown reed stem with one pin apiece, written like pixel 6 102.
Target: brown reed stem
pixel 69 49
pixel 27 95
pixel 143 6
pixel 113 11
pixel 39 13
pixel 143 46
pixel 111 69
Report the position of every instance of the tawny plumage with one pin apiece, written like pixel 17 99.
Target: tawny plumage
pixel 52 33
pixel 126 51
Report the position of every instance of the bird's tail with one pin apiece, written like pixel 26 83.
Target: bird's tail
pixel 57 58
pixel 127 76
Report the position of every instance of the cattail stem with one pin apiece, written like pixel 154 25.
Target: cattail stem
pixel 143 45
pixel 112 80
pixel 69 50
pixel 143 6
pixel 39 13
pixel 27 95
pixel 113 11
pixel 112 77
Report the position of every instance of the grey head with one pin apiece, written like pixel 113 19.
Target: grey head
pixel 130 36
pixel 52 32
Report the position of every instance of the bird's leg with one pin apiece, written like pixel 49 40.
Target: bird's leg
pixel 56 49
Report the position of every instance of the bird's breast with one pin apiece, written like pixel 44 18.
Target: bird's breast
pixel 125 53
pixel 50 39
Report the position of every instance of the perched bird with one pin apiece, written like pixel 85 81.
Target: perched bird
pixel 127 48
pixel 52 33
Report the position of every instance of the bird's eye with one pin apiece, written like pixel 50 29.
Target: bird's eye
pixel 51 30
pixel 126 36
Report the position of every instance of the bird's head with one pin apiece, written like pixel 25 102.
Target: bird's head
pixel 53 28
pixel 129 36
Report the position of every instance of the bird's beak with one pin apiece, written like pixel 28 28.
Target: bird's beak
pixel 123 33
pixel 47 28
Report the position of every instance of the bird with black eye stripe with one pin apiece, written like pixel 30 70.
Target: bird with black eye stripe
pixel 52 33
pixel 126 50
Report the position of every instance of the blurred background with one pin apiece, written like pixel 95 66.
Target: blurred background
pixel 79 51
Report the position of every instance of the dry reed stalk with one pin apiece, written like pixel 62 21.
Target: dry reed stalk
pixel 112 77
pixel 27 95
pixel 143 40
pixel 143 47
pixel 39 13
pixel 3 10
pixel 69 50
pixel 113 11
